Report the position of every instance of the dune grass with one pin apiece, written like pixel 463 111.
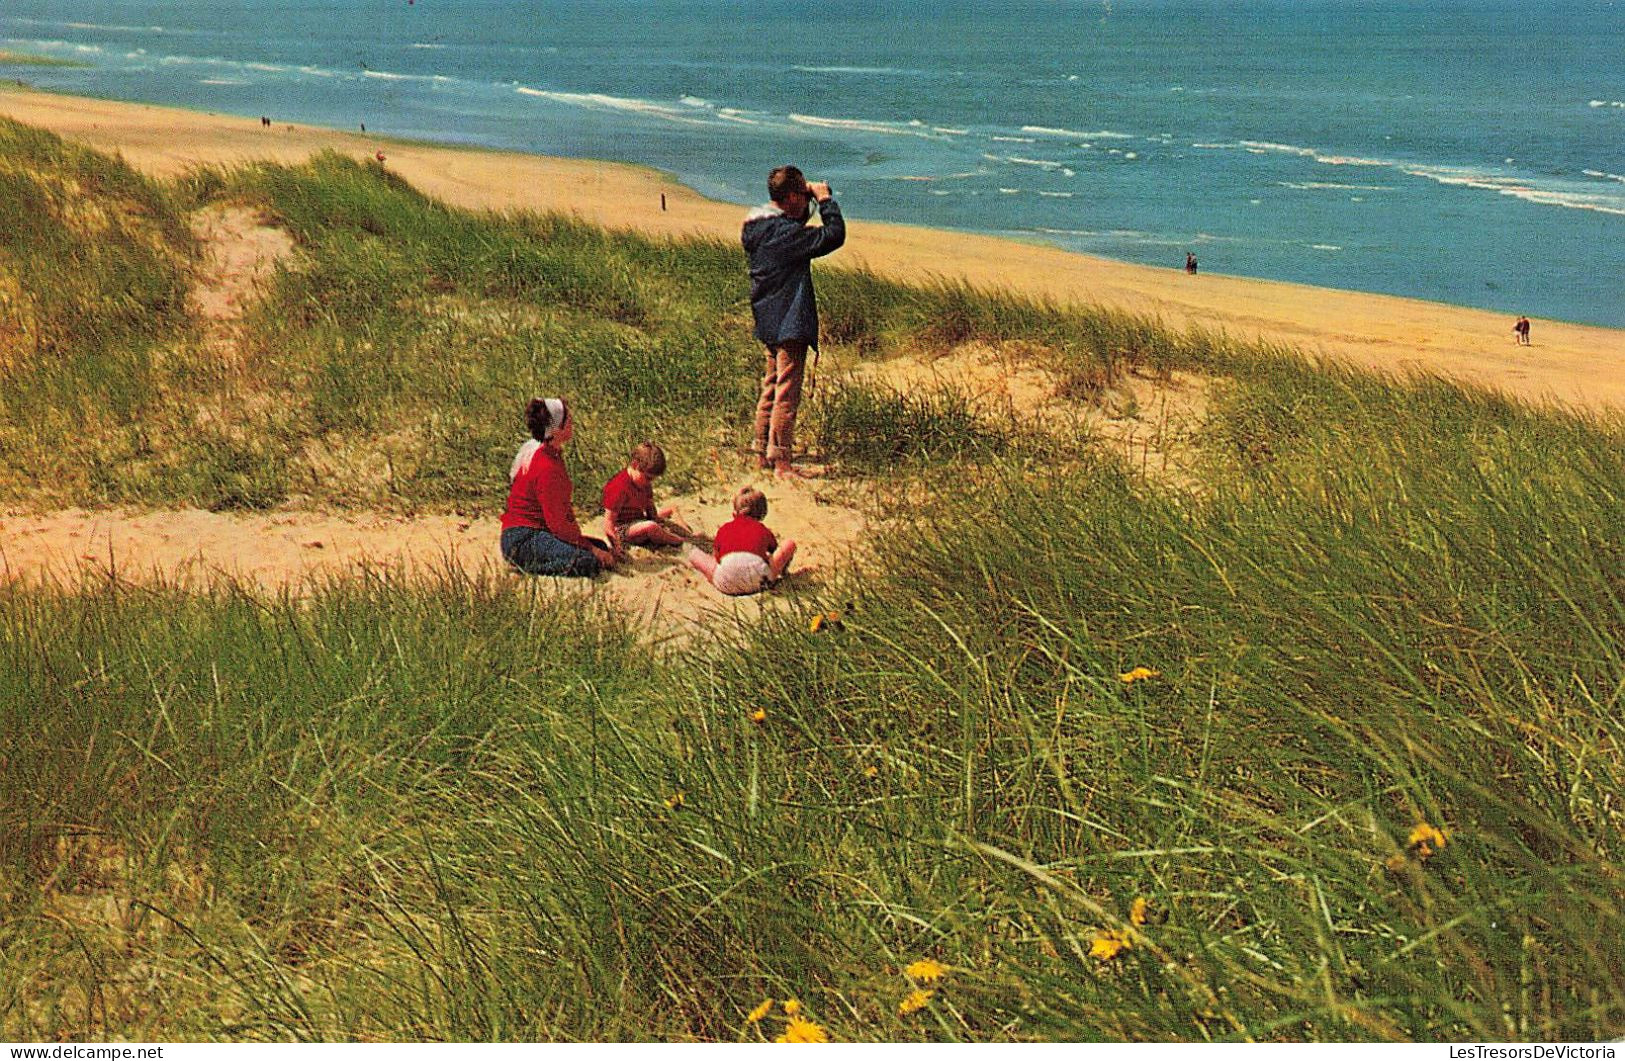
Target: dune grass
pixel 459 809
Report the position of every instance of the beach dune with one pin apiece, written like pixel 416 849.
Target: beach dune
pixel 1567 364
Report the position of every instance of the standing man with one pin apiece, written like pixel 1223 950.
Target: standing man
pixel 781 248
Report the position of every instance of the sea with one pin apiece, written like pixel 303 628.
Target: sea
pixel 1463 151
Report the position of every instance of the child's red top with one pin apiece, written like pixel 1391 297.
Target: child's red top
pixel 742 534
pixel 628 501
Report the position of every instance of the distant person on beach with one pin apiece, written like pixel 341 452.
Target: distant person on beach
pixel 781 247
pixel 630 517
pixel 748 557
pixel 1190 263
pixel 1520 331
pixel 265 122
pixel 539 531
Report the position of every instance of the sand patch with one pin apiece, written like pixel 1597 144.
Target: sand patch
pixel 295 552
pixel 1151 420
pixel 240 252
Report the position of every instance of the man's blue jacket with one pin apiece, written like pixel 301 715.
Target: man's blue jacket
pixel 781 288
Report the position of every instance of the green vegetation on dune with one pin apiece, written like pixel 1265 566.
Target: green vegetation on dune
pixel 463 810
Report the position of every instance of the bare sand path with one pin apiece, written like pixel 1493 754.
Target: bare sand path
pixel 295 552
pixel 1568 363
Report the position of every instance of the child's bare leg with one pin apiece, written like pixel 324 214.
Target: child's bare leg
pixel 648 532
pixel 703 562
pixel 780 563
pixel 671 519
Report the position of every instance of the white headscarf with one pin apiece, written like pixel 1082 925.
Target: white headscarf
pixel 557 416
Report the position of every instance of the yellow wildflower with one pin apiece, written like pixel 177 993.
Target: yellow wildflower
pixel 759 715
pixel 873 771
pixel 791 1007
pixel 759 1012
pixel 915 1002
pixel 925 970
pixel 824 620
pixel 802 1031
pixel 1108 943
pixel 675 800
pixel 1137 911
pixel 1425 839
pixel 1138 674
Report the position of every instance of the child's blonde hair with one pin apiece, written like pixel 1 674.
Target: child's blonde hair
pixel 648 458
pixel 750 502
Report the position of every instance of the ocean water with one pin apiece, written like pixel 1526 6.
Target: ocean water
pixel 1466 151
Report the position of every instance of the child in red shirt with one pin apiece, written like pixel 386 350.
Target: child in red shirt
pixel 629 507
pixel 748 557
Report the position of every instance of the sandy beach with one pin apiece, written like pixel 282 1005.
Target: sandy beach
pixel 1570 364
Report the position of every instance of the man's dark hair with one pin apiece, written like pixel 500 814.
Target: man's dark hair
pixel 783 180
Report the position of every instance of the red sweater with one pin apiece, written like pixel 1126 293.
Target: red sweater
pixel 627 501
pixel 540 497
pixel 742 534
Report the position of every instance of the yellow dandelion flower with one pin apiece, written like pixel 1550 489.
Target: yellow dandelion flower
pixel 824 621
pixel 791 1007
pixel 760 1011
pixel 915 1002
pixel 759 715
pixel 799 1030
pixel 1138 674
pixel 1108 943
pixel 1425 840
pixel 1137 911
pixel 873 771
pixel 675 800
pixel 926 970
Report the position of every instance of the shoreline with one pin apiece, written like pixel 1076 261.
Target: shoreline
pixel 1575 365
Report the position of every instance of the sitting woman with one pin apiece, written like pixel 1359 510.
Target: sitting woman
pixel 539 531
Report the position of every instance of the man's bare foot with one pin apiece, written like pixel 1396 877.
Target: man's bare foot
pixel 762 463
pixel 786 470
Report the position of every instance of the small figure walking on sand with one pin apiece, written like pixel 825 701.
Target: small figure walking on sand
pixel 1520 331
pixel 1190 263
pixel 265 123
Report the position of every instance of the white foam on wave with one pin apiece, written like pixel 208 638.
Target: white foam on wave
pixel 1100 134
pixel 1521 188
pixel 1324 247
pixel 389 75
pixel 1057 195
pixel 601 101
pixel 1018 160
pixel 221 81
pixel 101 27
pixel 59 46
pixel 849 70
pixel 1308 186
pixel 1608 103
pixel 1260 147
pixel 1013 139
pixel 427 47
pixel 1600 175
pixel 1010 191
pixel 912 128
